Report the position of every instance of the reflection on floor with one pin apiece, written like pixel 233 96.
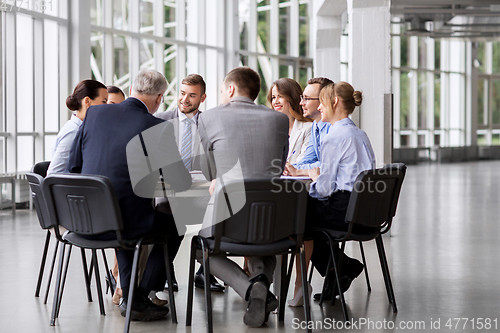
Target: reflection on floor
pixel 443 256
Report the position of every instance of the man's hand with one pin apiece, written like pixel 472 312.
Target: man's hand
pixel 211 189
pixel 290 170
pixel 314 173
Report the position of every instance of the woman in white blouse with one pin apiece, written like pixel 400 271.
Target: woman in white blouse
pixel 284 96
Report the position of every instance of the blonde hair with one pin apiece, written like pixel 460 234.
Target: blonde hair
pixel 345 92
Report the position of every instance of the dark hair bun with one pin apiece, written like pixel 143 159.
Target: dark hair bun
pixel 72 103
pixel 358 98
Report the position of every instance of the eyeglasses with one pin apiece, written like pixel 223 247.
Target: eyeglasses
pixel 307 99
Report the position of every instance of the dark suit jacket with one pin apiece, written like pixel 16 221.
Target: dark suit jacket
pixel 173 117
pixel 100 149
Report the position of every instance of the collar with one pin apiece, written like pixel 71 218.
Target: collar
pixel 241 99
pixel 140 101
pixel 183 116
pixel 344 122
pixel 76 120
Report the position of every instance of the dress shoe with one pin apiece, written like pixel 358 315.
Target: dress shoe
pixel 175 285
pixel 298 300
pixel 199 282
pixel 271 304
pixel 143 309
pixel 351 270
pixel 256 311
pixel 117 296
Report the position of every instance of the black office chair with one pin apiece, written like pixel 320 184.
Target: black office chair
pixel 372 204
pixel 87 205
pixel 271 222
pixel 35 179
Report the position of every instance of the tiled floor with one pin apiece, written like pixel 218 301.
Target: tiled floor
pixel 443 253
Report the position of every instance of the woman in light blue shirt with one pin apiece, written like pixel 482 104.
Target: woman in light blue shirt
pixel 345 152
pixel 86 94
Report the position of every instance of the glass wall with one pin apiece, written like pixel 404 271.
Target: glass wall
pixel 175 37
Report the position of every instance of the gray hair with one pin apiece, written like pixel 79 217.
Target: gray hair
pixel 150 82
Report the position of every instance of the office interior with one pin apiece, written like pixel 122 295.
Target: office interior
pixel 430 75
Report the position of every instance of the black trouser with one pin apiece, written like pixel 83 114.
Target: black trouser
pixel 154 276
pixel 327 214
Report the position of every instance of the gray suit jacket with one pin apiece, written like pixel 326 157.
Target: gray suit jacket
pixel 240 130
pixel 173 117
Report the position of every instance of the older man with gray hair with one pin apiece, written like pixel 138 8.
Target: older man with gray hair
pixel 100 148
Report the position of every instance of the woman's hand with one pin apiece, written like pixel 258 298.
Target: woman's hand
pixel 314 173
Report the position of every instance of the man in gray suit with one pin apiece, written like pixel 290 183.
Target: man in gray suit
pixel 257 137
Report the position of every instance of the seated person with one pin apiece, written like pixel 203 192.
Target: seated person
pixel 86 94
pixel 345 152
pixel 115 95
pixel 257 136
pixel 100 148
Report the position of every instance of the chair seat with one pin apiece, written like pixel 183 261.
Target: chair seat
pixel 86 243
pixel 254 249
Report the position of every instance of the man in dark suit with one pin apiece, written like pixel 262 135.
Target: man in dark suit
pixel 100 148
pixel 183 118
pixel 257 137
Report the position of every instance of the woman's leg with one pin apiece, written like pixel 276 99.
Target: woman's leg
pixel 308 250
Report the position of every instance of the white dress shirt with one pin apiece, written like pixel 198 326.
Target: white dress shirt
pixel 345 152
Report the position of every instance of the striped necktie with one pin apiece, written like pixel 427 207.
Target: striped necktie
pixel 186 147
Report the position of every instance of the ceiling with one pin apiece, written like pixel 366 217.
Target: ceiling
pixel 467 19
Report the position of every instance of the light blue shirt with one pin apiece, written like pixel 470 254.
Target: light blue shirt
pixel 64 141
pixel 345 152
pixel 311 157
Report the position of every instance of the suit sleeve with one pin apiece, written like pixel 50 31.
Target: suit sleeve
pixel 207 160
pixel 75 160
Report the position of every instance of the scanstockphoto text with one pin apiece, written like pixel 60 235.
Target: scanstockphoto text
pixel 371 185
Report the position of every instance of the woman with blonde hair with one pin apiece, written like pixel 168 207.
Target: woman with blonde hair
pixel 345 152
pixel 284 96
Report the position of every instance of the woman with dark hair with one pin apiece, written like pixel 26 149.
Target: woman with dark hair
pixel 284 96
pixel 115 95
pixel 86 94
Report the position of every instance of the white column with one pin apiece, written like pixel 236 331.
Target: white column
pixel 134 44
pixel 327 27
pixel 370 69
pixel 10 92
pixel 39 86
pixel 471 96
pixel 108 49
pixel 79 41
pixel 232 41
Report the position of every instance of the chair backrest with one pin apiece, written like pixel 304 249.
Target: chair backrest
pixel 375 195
pixel 273 210
pixel 41 168
pixel 84 204
pixel 36 183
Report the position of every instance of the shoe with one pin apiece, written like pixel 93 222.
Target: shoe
pixel 110 285
pixel 117 296
pixel 298 300
pixel 256 310
pixel 199 282
pixel 271 304
pixel 175 285
pixel 352 269
pixel 143 309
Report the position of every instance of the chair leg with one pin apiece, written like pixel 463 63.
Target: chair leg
pixel 54 258
pixel 385 271
pixel 132 286
pixel 336 267
pixel 107 272
pixel 61 291
pixel 305 287
pixel 339 269
pixel 170 283
pixel 285 283
pixel 311 271
pixel 42 264
pixel 86 274
pixel 192 259
pixel 98 282
pixel 208 292
pixel 58 284
pixel 366 267
pixel 323 289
